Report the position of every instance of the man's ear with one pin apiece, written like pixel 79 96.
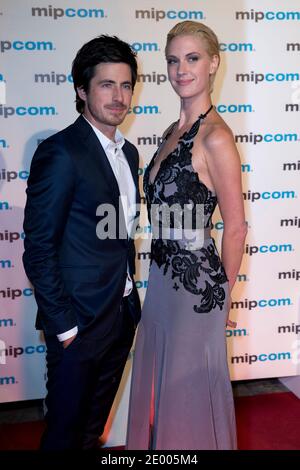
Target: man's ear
pixel 81 93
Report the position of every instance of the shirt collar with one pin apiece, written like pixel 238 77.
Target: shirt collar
pixel 105 141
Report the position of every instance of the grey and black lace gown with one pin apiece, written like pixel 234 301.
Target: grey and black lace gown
pixel 181 395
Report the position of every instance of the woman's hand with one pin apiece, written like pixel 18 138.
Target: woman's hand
pixel 230 323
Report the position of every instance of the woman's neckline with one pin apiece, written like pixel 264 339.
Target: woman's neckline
pixel 200 117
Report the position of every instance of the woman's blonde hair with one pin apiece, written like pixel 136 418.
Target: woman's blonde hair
pixel 200 30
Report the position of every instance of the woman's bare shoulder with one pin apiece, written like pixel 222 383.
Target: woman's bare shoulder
pixel 217 134
pixel 169 129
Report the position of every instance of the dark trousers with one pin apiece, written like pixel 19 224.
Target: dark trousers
pixel 83 380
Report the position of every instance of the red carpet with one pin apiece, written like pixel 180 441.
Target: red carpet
pixel 21 436
pixel 267 422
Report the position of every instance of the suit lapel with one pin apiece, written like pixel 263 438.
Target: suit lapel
pixel 97 154
pixel 131 163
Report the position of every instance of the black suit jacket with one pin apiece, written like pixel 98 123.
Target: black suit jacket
pixel 78 278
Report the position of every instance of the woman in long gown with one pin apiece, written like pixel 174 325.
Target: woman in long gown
pixel 181 395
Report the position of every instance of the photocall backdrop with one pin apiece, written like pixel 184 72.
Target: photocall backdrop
pixel 257 92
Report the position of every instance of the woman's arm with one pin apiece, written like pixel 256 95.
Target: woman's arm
pixel 224 167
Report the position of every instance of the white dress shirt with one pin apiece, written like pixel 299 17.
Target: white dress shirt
pixel 121 170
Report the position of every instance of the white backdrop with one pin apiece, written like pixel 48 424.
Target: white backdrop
pixel 257 92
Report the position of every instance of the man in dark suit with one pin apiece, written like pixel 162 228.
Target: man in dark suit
pixel 82 265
